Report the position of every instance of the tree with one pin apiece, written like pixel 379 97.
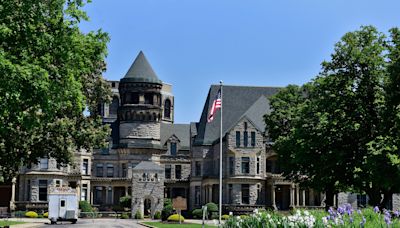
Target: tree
pixel 50 72
pixel 335 137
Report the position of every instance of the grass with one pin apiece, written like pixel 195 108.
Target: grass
pixel 9 223
pixel 174 225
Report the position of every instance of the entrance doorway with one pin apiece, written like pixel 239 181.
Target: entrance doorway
pixel 147 207
pixel 282 194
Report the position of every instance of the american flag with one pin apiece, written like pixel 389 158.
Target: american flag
pixel 215 106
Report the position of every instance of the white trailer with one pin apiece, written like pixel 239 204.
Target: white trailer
pixel 63 204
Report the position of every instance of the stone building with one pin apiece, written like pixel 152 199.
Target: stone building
pixel 152 158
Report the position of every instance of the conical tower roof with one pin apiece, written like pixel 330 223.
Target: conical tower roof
pixel 141 71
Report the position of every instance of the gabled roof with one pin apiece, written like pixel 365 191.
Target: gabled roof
pixel 147 166
pixel 141 71
pixel 238 101
pixel 180 131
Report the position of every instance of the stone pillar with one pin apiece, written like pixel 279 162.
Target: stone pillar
pixel 126 190
pixel 112 195
pixel 291 196
pixel 311 197
pixel 273 187
pixel 12 202
pixel 334 200
pixel 297 196
pixel 304 197
pixel 210 195
pixel 91 195
pixel 106 195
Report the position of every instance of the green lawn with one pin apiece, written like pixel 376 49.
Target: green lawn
pixel 9 223
pixel 173 225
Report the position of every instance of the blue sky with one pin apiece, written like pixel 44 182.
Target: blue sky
pixel 195 43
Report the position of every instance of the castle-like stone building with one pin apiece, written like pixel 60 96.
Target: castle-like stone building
pixel 151 158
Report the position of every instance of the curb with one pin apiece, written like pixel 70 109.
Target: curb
pixel 146 225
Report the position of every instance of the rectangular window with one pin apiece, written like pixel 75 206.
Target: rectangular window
pixel 197 195
pixel 245 139
pixel 110 195
pixel 98 199
pixel 268 166
pixel 99 170
pixel 231 165
pixel 230 193
pixel 62 203
pixel 58 183
pixel 124 170
pixel 44 163
pixel 85 167
pixel 245 194
pixel 245 165
pixel 238 139
pixel 258 165
pixel 167 171
pixel 173 149
pixel 84 192
pixel 198 168
pixel 253 139
pixel 110 170
pixel 178 172
pixel 42 190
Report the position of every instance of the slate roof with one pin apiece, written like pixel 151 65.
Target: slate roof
pixel 147 165
pixel 238 101
pixel 181 131
pixel 141 71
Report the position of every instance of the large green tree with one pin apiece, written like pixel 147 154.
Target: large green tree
pixel 338 139
pixel 50 72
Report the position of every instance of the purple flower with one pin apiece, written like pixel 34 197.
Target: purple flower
pixel 387 220
pixel 397 213
pixel 363 221
pixel 351 220
pixel 341 210
pixel 376 209
pixel 330 211
pixel 359 211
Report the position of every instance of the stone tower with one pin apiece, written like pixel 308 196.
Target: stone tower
pixel 140 112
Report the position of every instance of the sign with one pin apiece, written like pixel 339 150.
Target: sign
pixel 179 203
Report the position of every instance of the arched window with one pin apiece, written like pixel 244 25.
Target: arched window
pixel 114 106
pixel 167 109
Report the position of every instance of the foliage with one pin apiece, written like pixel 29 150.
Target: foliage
pixel 51 71
pixel 176 218
pixel 340 131
pixel 138 215
pixel 167 210
pixel 197 213
pixel 225 217
pixel 31 214
pixel 212 207
pixel 126 201
pixel 85 206
pixel 167 202
pixel 174 225
pixel 19 214
pixel 124 216
pixel 5 223
pixel 157 215
pixel 46 215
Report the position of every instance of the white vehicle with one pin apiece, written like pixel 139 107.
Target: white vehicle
pixel 63 204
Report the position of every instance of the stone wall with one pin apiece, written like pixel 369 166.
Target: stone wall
pixel 132 130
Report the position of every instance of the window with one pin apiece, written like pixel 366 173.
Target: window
pixel 134 99
pixel 230 193
pixel 57 183
pixel 178 171
pixel 85 166
pixel 245 139
pixel 110 170
pixel 268 166
pixel 148 98
pixel 198 168
pixel 72 184
pixel 245 165
pixel 44 163
pixel 253 139
pixel 167 171
pixel 258 165
pixel 110 195
pixel 167 109
pixel 42 190
pixel 197 195
pixel 28 188
pixel 114 106
pixel 84 192
pixel 99 170
pixel 62 203
pixel 98 198
pixel 238 139
pixel 231 165
pixel 245 126
pixel 113 84
pixel 173 149
pixel 124 170
pixel 245 194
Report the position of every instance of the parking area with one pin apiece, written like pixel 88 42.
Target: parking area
pixel 89 223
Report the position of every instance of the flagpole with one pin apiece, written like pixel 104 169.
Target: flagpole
pixel 220 159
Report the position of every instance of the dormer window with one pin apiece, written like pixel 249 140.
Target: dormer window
pixel 44 163
pixel 167 109
pixel 173 148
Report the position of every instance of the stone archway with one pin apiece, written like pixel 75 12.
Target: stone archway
pixel 147 204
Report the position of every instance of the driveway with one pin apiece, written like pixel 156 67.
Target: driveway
pixel 89 223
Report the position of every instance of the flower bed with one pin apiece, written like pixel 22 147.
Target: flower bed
pixel 344 216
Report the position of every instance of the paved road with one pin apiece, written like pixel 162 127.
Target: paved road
pixel 96 223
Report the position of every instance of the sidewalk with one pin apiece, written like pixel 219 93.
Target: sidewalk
pixel 29 222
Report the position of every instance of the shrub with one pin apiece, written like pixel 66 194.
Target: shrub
pixel 40 216
pixel 225 217
pixel 214 215
pixel 124 216
pixel 197 213
pixel 19 214
pixel 46 215
pixel 176 218
pixel 166 212
pixel 125 201
pixel 157 215
pixel 31 214
pixel 167 202
pixel 85 206
pixel 138 215
pixel 211 207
